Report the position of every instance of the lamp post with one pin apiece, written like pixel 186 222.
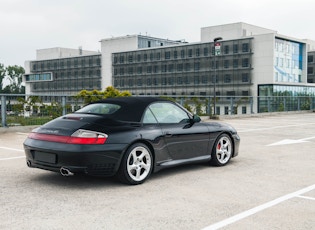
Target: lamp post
pixel 217 51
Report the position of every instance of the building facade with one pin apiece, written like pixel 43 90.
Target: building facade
pixel 247 62
pixel 60 71
pixel 311 67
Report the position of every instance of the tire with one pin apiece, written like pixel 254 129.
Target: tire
pixel 136 165
pixel 222 150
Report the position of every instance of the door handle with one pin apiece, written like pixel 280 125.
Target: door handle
pixel 168 134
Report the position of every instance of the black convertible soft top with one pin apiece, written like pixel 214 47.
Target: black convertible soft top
pixel 132 108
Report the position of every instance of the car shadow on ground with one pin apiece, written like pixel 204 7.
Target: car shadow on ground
pixel 78 181
pixel 82 181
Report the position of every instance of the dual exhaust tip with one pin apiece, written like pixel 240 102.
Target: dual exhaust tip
pixel 65 172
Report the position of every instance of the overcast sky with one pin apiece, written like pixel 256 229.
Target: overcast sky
pixel 28 25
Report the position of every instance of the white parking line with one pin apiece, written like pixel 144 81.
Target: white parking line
pixel 11 158
pixel 273 127
pixel 11 149
pixel 258 209
pixel 306 197
pixel 19 150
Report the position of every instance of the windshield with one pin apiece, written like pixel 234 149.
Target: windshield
pixel 100 108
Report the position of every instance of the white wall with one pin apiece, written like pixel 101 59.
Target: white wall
pixel 58 52
pixel 112 45
pixel 263 60
pixel 232 31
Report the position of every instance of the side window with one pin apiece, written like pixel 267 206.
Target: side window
pixel 149 118
pixel 168 113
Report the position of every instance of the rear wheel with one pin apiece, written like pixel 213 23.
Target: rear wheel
pixel 136 165
pixel 222 150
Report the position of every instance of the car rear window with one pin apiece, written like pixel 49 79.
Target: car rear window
pixel 100 108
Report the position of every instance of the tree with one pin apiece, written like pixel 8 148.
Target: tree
pixel 95 95
pixel 13 74
pixel 2 75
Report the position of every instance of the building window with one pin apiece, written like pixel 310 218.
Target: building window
pixel 155 81
pixel 155 69
pixel 310 59
pixel 170 81
pixel 145 57
pixel 226 63
pixel 130 70
pixel 197 52
pixel 226 49
pixel 138 58
pixel 230 94
pixel 244 110
pixel 139 82
pixel 149 81
pixel 121 59
pixel 170 68
pixel 245 93
pixel 158 56
pixel 130 58
pixel 197 66
pixel 179 67
pixel 310 70
pixel 179 81
pixel 122 71
pixel 245 47
pixel 167 55
pixel 149 69
pixel 175 54
pixel 182 53
pixel 187 80
pixel 205 51
pixel 226 110
pixel 163 68
pixel 139 70
pixel 235 63
pixel 235 48
pixel 245 77
pixel 196 80
pixel 187 67
pixel 245 62
pixel 190 53
pixel 131 82
pixel 227 78
pixel 204 79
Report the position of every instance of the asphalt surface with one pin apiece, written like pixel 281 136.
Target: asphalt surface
pixel 270 185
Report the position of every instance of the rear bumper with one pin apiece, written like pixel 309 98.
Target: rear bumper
pixel 88 159
pixel 236 140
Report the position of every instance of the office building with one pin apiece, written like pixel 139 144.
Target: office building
pixel 244 63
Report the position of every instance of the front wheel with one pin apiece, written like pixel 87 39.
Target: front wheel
pixel 222 150
pixel 136 165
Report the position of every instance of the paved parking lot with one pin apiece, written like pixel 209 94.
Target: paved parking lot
pixel 270 185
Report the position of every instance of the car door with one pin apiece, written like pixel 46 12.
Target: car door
pixel 185 139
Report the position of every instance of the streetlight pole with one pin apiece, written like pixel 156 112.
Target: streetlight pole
pixel 217 51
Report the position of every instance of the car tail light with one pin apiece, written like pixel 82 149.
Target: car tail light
pixel 81 137
pixel 86 137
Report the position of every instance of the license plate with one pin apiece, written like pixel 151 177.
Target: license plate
pixel 45 157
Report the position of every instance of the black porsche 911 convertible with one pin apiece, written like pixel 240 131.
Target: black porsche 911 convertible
pixel 129 137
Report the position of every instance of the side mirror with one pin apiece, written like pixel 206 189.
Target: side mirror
pixel 196 118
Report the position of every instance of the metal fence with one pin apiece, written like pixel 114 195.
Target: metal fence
pixel 22 110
